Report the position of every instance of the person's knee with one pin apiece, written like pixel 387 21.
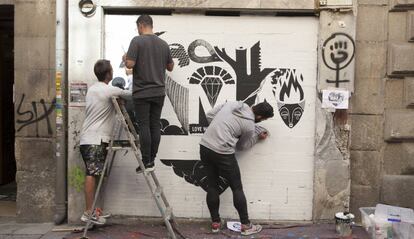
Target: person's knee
pixel 155 126
pixel 237 189
pixel 143 122
pixel 236 185
pixel 212 192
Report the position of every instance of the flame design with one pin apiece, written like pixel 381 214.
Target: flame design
pixel 291 102
pixel 291 83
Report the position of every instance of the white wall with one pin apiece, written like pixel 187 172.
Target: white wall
pixel 277 174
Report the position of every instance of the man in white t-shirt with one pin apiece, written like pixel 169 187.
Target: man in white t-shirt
pixel 96 132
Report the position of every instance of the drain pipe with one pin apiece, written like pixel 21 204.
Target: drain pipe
pixel 61 104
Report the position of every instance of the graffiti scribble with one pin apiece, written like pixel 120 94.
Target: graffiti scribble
pixel 337 53
pixel 32 116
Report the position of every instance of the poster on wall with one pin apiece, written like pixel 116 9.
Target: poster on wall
pixel 78 92
pixel 218 59
pixel 335 99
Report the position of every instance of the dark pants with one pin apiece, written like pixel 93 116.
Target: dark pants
pixel 226 166
pixel 148 114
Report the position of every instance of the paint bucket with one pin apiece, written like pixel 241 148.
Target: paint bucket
pixel 343 223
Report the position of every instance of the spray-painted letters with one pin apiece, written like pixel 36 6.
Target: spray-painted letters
pixel 34 115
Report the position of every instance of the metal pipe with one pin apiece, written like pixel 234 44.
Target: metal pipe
pixel 61 104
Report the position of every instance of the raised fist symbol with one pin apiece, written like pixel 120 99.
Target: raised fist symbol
pixel 338 52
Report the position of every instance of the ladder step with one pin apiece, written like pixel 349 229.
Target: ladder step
pixel 168 213
pixel 121 143
pixel 116 148
pixel 158 191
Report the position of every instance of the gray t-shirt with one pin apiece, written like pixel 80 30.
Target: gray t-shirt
pixel 151 55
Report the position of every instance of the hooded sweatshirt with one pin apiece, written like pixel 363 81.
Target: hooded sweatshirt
pixel 232 127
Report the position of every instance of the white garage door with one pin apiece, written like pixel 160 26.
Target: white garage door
pixel 249 58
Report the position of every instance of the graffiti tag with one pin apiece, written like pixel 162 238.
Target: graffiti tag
pixel 33 115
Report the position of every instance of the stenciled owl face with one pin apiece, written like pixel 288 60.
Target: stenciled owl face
pixel 291 113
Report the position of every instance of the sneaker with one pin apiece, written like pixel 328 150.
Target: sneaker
pixel 95 220
pixel 217 226
pixel 249 229
pixel 101 213
pixel 148 168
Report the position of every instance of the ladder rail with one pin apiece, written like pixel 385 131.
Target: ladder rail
pixel 164 198
pixel 110 154
pixel 165 210
pixel 111 146
pixel 123 121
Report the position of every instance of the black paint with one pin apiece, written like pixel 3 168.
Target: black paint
pixel 194 172
pixel 202 125
pixel 247 85
pixel 29 117
pixel 178 96
pixel 167 129
pixel 178 52
pixel 291 113
pixel 202 59
pixel 292 85
pixel 211 79
pixel 289 82
pixel 341 54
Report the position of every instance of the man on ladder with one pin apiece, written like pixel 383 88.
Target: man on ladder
pixel 96 133
pixel 100 130
pixel 149 56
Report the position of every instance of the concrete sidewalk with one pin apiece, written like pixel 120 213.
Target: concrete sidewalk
pixel 134 228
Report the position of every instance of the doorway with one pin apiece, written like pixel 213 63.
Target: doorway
pixel 7 159
pixel 216 62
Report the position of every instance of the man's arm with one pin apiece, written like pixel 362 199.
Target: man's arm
pixel 132 54
pixel 170 62
pixel 170 66
pixel 210 115
pixel 249 139
pixel 115 91
pixel 129 63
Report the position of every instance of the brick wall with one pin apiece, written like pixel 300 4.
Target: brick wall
pixel 34 109
pixel 382 165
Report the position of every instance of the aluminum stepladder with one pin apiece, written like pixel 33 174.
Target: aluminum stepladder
pixel 123 121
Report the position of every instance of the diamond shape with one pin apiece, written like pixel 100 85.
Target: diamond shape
pixel 212 87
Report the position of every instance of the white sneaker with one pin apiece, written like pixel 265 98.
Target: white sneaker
pixel 250 229
pixel 101 213
pixel 148 168
pixel 95 220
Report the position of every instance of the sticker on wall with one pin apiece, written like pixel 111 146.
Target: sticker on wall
pixel 336 99
pixel 78 92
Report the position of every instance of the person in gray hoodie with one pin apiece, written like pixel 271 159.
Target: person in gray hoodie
pixel 231 127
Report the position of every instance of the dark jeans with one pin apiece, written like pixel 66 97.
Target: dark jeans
pixel 148 114
pixel 226 166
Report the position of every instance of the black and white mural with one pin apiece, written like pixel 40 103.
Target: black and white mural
pixel 249 59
